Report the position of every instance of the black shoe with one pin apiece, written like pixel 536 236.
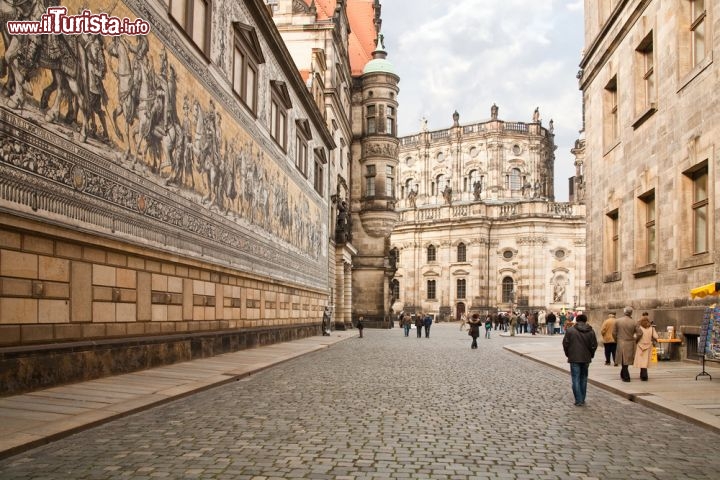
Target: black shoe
pixel 644 379
pixel 625 379
pixel 607 363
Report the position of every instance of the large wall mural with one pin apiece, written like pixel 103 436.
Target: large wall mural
pixel 135 129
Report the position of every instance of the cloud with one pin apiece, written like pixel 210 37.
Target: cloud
pixel 468 54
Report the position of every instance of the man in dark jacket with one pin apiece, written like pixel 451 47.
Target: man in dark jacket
pixel 579 344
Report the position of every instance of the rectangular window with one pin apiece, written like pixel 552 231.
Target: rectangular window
pixel 697 31
pixel 647 67
pixel 700 211
pixel 371 119
pixel 390 181
pixel 244 79
pixel 649 212
pixel 193 16
pixel 431 290
pixel 370 181
pixel 319 182
pixel 611 123
pixel 301 154
pixel 390 121
pixel 278 123
pixel 613 237
pixel 461 288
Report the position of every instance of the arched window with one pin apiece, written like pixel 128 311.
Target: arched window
pixel 508 288
pixel 461 253
pixel 473 176
pixel 440 183
pixel 514 180
pixel 409 187
pixel 431 253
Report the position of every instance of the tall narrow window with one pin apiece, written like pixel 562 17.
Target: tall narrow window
pixel 431 290
pixel 649 207
pixel 390 120
pixel 460 288
pixel 508 290
pixel 301 154
pixel 389 181
pixel 247 55
pixel 611 123
pixel 371 119
pixel 613 236
pixel 193 16
pixel 697 30
pixel 370 181
pixel 431 253
pixel 461 253
pixel 279 105
pixel 700 211
pixel 647 65
pixel 320 160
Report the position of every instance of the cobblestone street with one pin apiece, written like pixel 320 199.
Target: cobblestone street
pixel 387 406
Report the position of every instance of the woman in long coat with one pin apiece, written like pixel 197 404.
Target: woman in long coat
pixel 644 345
pixel 474 331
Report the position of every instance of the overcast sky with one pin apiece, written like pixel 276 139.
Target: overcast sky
pixel 465 55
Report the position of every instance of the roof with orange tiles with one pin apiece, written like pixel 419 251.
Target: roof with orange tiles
pixel 362 33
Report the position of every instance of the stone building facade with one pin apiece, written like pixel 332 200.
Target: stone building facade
pixel 162 197
pixel 479 229
pixel 651 124
pixel 332 43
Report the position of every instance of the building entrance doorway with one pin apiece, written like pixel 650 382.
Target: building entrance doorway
pixel 459 311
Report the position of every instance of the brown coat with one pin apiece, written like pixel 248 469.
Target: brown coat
pixel 644 347
pixel 606 330
pixel 624 335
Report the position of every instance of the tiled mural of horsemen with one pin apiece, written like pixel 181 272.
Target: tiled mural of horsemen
pixel 130 99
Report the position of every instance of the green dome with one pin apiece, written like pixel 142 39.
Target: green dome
pixel 379 64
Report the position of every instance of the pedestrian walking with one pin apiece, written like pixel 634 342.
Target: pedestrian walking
pixel 488 326
pixel 361 325
pixel 405 321
pixel 579 344
pixel 624 333
pixel 643 349
pixel 474 329
pixel 542 322
pixel 426 323
pixel 606 332
pixel 419 324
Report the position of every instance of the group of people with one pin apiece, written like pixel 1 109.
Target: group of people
pixel 532 322
pixel 419 320
pixel 626 342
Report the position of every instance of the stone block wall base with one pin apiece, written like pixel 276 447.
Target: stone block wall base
pixel 23 369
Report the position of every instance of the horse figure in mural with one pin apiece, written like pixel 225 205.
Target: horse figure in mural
pixel 11 10
pixel 62 56
pixel 127 98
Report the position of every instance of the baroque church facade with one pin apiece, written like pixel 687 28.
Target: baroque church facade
pixel 649 155
pixel 479 230
pixel 187 192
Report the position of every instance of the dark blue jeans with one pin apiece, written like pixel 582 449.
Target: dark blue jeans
pixel 579 374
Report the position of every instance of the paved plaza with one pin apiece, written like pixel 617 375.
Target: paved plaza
pixel 387 406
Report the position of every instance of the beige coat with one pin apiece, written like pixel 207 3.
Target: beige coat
pixel 624 334
pixel 606 330
pixel 644 345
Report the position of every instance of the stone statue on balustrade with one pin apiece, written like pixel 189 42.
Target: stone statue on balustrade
pixel 343 224
pixel 477 189
pixel 412 196
pixel 447 194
